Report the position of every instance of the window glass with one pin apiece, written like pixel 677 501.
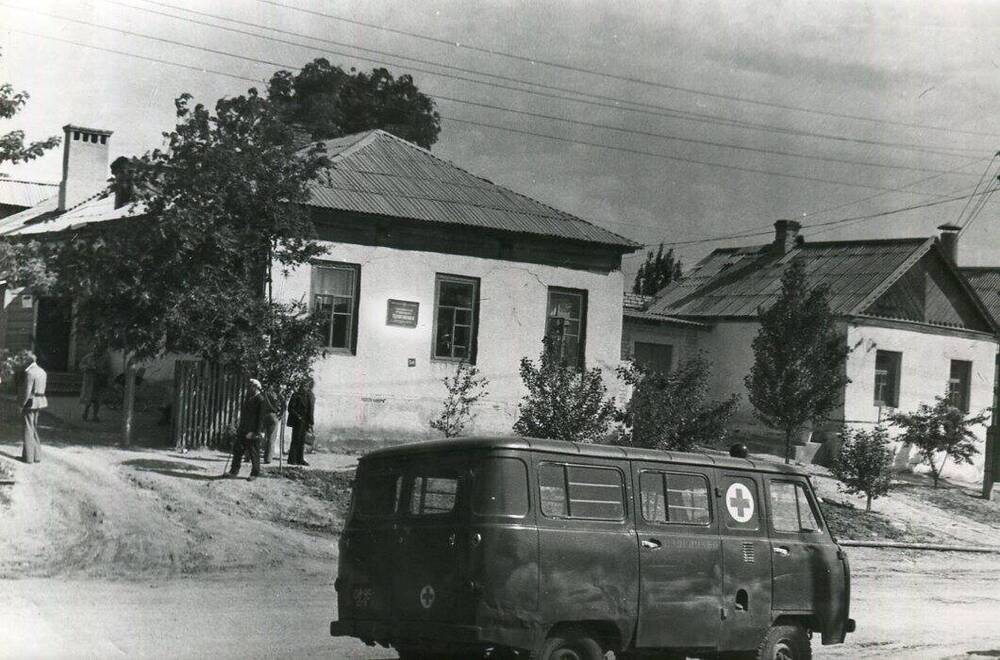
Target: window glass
pixel 651 497
pixel 807 517
pixel 687 499
pixel 784 509
pixel 454 328
pixel 887 368
pixel 501 488
pixel 674 498
pixel 433 495
pixel 377 494
pixel 595 493
pixel 335 293
pixel 566 324
pixel 958 384
pixel 552 485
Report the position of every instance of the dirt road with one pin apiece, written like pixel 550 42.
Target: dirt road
pixel 143 553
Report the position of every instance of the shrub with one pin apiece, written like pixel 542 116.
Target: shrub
pixel 563 402
pixel 465 388
pixel 863 463
pixel 670 411
pixel 940 432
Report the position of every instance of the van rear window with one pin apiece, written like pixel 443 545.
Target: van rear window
pixel 575 491
pixel 433 495
pixel 378 494
pixel 501 488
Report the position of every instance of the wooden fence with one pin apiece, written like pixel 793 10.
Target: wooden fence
pixel 207 401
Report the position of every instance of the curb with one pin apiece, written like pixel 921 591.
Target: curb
pixel 920 546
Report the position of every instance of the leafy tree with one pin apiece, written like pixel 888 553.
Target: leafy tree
pixel 330 102
pixel 657 272
pixel 466 387
pixel 217 207
pixel 798 371
pixel 671 411
pixel 563 402
pixel 863 463
pixel 940 432
pixel 13 148
pixel 23 264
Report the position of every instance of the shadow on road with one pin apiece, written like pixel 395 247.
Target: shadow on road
pixel 171 469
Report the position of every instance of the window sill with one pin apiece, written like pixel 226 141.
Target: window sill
pixel 327 350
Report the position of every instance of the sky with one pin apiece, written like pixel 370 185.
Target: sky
pixel 905 92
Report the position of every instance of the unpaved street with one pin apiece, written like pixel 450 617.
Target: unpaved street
pixel 144 553
pixel 905 608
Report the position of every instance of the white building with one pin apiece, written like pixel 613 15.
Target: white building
pixel 916 328
pixel 426 265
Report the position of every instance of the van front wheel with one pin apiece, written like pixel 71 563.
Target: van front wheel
pixel 571 645
pixel 786 642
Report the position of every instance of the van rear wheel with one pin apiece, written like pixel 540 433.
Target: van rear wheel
pixel 571 645
pixel 785 642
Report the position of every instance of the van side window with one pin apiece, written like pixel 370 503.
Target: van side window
pixel 433 495
pixel 577 491
pixel 379 494
pixel 501 488
pixel 674 498
pixel 791 510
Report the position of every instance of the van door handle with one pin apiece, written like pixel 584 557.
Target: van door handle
pixel 781 551
pixel 651 544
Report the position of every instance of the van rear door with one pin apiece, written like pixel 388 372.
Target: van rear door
pixel 430 573
pixel 680 557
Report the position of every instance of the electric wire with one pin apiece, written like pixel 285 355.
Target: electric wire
pixel 630 79
pixel 615 102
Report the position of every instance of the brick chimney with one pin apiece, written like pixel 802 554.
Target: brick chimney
pixel 949 240
pixel 785 233
pixel 85 164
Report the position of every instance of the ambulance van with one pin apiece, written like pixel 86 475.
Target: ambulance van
pixel 519 547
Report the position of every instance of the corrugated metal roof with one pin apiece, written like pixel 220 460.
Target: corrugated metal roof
pixel 378 173
pixel 14 192
pixel 662 318
pixel 985 281
pixel 737 282
pixel 44 219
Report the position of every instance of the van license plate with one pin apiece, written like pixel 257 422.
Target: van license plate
pixel 362 597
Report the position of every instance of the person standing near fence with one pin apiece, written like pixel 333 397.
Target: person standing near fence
pixel 32 401
pixel 272 419
pixel 300 418
pixel 250 431
pixel 94 366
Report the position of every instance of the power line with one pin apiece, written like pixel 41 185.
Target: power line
pixel 630 79
pixel 667 136
pixel 982 178
pixel 614 103
pixel 683 159
pixel 828 223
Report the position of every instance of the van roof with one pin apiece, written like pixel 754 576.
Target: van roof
pixel 481 443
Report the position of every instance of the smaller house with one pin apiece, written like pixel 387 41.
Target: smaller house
pixel 916 327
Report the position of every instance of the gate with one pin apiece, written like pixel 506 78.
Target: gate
pixel 207 401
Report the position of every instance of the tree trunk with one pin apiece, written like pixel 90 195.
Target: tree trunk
pixel 868 505
pixel 788 445
pixel 283 420
pixel 128 403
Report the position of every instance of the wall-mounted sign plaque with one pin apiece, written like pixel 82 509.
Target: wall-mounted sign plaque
pixel 402 313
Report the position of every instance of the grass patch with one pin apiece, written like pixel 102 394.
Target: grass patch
pixel 330 485
pixel 848 523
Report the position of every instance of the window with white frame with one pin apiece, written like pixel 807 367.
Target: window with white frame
pixel 887 367
pixel 959 383
pixel 455 302
pixel 566 324
pixel 335 289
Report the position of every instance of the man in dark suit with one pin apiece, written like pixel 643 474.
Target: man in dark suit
pixel 32 401
pixel 300 418
pixel 250 431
